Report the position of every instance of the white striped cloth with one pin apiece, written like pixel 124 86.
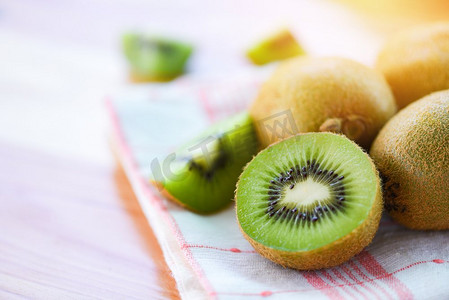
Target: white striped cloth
pixel 208 255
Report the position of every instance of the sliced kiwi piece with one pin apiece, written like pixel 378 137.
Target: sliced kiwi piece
pixel 309 202
pixel 204 172
pixel 279 46
pixel 155 58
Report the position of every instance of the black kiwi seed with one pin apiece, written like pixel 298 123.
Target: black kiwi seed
pixel 297 218
pixel 297 174
pixel 208 175
pixel 340 195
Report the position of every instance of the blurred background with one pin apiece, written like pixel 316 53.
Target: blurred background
pixel 59 61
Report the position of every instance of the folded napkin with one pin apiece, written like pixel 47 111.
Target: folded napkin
pixel 208 256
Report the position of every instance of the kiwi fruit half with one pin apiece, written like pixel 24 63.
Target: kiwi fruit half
pixel 279 46
pixel 311 201
pixel 154 58
pixel 415 62
pixel 323 94
pixel 412 154
pixel 201 176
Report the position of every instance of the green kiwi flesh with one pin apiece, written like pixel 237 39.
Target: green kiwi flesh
pixel 205 171
pixel 306 193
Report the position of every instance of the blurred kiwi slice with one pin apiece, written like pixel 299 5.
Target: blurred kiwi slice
pixel 279 46
pixel 153 58
pixel 311 201
pixel 203 173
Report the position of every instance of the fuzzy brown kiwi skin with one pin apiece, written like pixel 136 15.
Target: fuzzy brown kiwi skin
pixel 334 253
pixel 412 154
pixel 415 62
pixel 327 94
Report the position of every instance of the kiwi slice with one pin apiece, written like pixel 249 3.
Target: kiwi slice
pixel 309 202
pixel 204 172
pixel 279 46
pixel 154 58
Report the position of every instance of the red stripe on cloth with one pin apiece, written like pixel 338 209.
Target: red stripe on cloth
pixel 235 250
pixel 367 279
pixel 359 283
pixel 318 283
pixel 324 287
pixel 437 261
pixel 375 269
pixel 205 102
pixel 335 283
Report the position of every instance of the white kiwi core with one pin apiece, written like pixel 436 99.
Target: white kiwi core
pixel 305 193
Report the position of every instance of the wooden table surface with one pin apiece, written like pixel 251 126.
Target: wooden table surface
pixel 71 229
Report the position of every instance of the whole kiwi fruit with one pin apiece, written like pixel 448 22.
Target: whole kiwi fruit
pixel 415 62
pixel 412 154
pixel 310 201
pixel 323 94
